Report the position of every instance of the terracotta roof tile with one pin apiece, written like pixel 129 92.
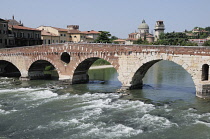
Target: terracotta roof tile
pixel 119 40
pixel 131 39
pixel 90 32
pixel 60 29
pixel 46 33
pixel 23 27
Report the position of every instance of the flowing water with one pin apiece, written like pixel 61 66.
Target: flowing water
pixel 166 108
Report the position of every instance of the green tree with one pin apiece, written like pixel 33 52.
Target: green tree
pixel 207 29
pixel 104 37
pixel 139 41
pixel 172 38
pixel 113 38
pixel 190 44
pixel 207 43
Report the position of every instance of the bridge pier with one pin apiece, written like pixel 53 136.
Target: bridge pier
pixel 24 75
pixel 203 91
pixel 80 78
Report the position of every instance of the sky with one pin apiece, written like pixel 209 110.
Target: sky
pixel 119 17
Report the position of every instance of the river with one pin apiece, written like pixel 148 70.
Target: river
pixel 166 108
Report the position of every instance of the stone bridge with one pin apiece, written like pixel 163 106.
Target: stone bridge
pixel 72 61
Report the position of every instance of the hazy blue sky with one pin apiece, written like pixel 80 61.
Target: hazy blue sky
pixel 120 17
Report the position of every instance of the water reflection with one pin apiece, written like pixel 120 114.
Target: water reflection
pixel 168 73
pixel 103 79
pixel 165 80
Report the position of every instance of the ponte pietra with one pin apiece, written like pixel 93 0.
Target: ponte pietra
pixel 72 61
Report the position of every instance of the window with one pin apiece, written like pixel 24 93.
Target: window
pixel 0 31
pixel 0 40
pixel 5 41
pixel 64 35
pixel 61 34
pixel 205 72
pixel 53 41
pixel 75 36
pixel 28 35
pixel 36 35
pixel 21 34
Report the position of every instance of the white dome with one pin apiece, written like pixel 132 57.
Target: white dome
pixel 143 25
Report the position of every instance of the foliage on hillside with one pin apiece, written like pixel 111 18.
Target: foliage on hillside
pixel 207 43
pixel 174 38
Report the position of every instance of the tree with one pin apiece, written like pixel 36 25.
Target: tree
pixel 172 38
pixel 207 43
pixel 207 29
pixel 113 38
pixel 104 37
pixel 139 41
pixel 190 44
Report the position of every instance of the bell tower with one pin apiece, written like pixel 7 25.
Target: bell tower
pixel 159 28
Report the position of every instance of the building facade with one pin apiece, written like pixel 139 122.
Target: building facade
pixel 52 35
pixel 25 36
pixel 3 33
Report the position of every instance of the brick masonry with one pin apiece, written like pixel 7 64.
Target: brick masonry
pixel 130 61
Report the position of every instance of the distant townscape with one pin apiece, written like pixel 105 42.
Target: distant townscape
pixel 15 34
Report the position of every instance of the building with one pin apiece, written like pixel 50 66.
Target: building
pixel 198 41
pixel 199 30
pixel 52 35
pixel 119 41
pixel 143 33
pixel 25 36
pixel 71 34
pixel 90 36
pixel 3 33
pixel 75 35
pixel 49 38
pixel 19 35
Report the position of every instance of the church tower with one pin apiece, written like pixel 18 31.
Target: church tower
pixel 159 28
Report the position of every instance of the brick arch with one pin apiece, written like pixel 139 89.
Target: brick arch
pixel 148 61
pixel 82 66
pixel 14 64
pixel 83 58
pixel 42 58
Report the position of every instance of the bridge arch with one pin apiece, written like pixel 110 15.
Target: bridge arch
pixel 80 74
pixel 42 68
pixel 147 62
pixel 9 69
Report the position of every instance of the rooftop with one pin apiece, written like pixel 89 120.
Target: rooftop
pixel 22 28
pixel 90 32
pixel 46 33
pixel 60 29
